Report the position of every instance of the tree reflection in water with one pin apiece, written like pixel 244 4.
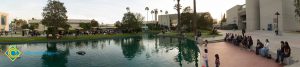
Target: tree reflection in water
pixel 188 52
pixel 131 47
pixel 54 57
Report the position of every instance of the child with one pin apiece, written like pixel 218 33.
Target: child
pixel 205 44
pixel 205 57
pixel 217 61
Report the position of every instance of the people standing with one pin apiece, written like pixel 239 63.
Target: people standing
pixel 205 56
pixel 243 32
pixel 217 61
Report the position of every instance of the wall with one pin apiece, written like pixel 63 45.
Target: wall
pixel 268 8
pixel 6 25
pixel 232 15
pixel 252 15
pixel 289 16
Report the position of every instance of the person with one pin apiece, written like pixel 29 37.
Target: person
pixel 280 51
pixel 205 43
pixel 250 42
pixel 217 61
pixel 284 52
pixel 205 56
pixel 258 46
pixel 265 50
pixel 243 32
pixel 198 37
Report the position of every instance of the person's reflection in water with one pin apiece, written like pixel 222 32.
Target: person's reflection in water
pixel 53 57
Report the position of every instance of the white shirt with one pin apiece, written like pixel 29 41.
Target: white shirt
pixel 205 56
pixel 267 45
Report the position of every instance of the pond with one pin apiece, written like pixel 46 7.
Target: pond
pixel 139 51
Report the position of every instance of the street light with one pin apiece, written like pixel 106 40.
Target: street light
pixel 277 31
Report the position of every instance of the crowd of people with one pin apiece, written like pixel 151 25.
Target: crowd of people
pixel 260 48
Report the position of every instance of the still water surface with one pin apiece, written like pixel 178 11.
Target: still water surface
pixel 141 51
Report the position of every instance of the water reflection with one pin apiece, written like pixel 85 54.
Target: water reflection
pixel 54 57
pixel 132 47
pixel 144 51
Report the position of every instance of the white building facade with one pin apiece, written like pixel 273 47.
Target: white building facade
pixel 4 25
pixel 261 15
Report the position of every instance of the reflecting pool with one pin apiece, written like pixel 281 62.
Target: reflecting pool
pixel 140 51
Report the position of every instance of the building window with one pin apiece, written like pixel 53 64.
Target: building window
pixel 3 20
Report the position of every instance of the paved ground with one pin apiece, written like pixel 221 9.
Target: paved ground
pixel 292 38
pixel 233 56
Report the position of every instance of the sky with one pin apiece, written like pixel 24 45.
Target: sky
pixel 110 11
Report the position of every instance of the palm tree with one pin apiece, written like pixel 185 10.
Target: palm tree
pixel 166 12
pixel 155 12
pixel 147 9
pixel 128 9
pixel 152 12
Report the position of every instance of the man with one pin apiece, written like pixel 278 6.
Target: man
pixel 258 46
pixel 243 32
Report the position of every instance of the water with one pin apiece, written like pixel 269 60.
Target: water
pixel 142 51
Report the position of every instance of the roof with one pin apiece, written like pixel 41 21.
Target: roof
pixel 69 21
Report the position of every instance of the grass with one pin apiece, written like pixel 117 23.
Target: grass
pixel 66 38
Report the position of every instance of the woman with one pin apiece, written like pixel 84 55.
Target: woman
pixel 280 52
pixel 258 46
pixel 250 42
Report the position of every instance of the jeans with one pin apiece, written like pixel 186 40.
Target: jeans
pixel 206 62
pixel 280 55
pixel 264 52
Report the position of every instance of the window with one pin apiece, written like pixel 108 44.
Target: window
pixel 3 20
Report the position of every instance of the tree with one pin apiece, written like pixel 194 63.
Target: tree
pixel 118 24
pixel 205 21
pixel 54 16
pixel 152 12
pixel 33 26
pixel 147 9
pixel 186 19
pixel 94 23
pixel 155 14
pixel 132 22
pixel 128 9
pixel 25 26
pixel 223 20
pixel 297 5
pixel 166 12
pixel 19 23
pixel 85 26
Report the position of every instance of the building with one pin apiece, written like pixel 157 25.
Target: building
pixel 4 25
pixel 74 23
pixel 170 19
pixel 236 15
pixel 260 15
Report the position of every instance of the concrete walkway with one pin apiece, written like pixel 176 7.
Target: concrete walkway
pixel 234 56
pixel 292 38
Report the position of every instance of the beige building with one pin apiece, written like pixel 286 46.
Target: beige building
pixel 74 23
pixel 4 23
pixel 236 15
pixel 261 15
pixel 170 19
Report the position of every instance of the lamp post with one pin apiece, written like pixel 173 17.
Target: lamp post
pixel 277 31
